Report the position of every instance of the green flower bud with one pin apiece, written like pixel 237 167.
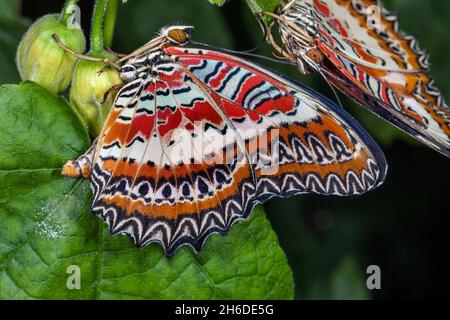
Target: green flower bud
pixel 88 92
pixel 42 60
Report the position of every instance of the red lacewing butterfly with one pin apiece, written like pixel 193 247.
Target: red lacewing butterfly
pixel 196 138
pixel 358 47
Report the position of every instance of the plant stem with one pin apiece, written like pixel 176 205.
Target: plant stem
pixel 97 28
pixel 67 11
pixel 110 22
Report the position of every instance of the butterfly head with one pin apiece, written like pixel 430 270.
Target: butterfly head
pixel 137 65
pixel 128 72
pixel 178 35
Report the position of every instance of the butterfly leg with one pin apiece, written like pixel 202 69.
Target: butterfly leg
pixel 288 5
pixel 109 91
pixel 81 167
pixel 85 57
pixel 117 54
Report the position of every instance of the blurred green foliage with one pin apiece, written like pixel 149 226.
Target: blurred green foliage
pixel 402 227
pixel 12 27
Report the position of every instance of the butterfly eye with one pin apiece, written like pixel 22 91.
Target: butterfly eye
pixel 178 34
pixel 128 72
pixel 315 55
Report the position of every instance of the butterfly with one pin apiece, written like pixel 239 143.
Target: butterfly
pixel 196 138
pixel 358 47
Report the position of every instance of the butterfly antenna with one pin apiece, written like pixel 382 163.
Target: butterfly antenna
pixel 244 53
pixel 336 95
pixel 264 37
pixel 248 52
pixel 261 25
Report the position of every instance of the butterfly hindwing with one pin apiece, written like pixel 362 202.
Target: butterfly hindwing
pixel 189 151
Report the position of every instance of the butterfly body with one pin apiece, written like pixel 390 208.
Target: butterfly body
pixel 196 138
pixel 358 47
pixel 302 41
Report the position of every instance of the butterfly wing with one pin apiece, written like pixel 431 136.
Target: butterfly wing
pixel 410 112
pixel 187 153
pixel 365 32
pixel 366 47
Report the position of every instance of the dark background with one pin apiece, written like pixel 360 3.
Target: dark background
pixel 401 227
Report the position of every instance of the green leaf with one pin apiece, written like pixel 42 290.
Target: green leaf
pixel 258 6
pixel 263 5
pixel 218 2
pixel 47 225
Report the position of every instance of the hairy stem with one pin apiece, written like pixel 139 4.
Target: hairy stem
pixel 110 22
pixel 97 28
pixel 68 11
